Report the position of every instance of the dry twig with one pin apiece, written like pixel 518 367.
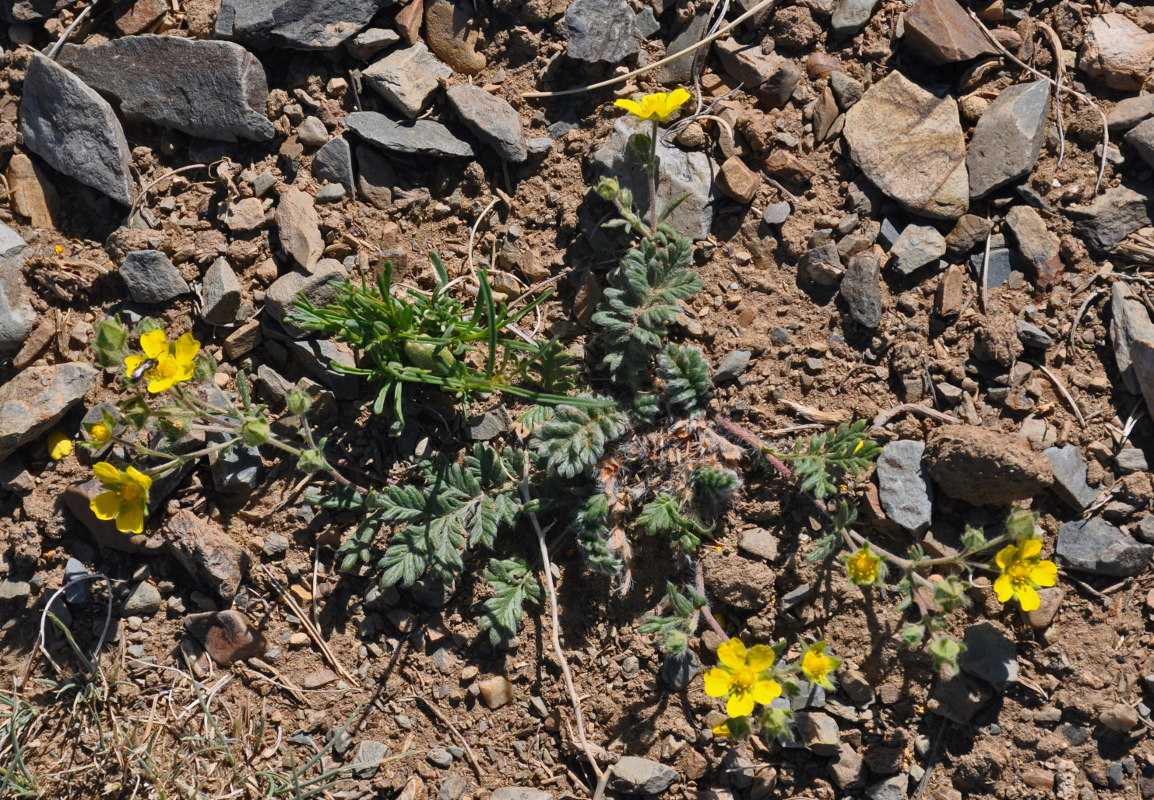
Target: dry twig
pixel 452 729
pixel 1065 393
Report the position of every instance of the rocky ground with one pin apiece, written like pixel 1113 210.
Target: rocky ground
pixel 898 218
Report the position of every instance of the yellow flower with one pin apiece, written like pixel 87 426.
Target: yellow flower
pixel 817 666
pixel 1023 572
pixel 659 105
pixel 125 496
pixel 863 567
pixel 99 433
pixel 59 445
pixel 743 676
pixel 165 363
pixel 722 729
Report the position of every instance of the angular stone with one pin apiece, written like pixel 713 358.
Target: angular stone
pixel 242 340
pixel 633 775
pixel 738 181
pixel 143 601
pixel 319 287
pixel 917 246
pixel 850 16
pixel 941 32
pixel 298 227
pixel 17 316
pixel 491 119
pixel 777 91
pixel 894 788
pixel 1070 476
pixel 847 768
pixel 909 143
pixel 29 10
pixel 1131 459
pixel 75 130
pixel 1129 321
pixel 1129 112
pixel 679 71
pixel 519 793
pixel 1117 52
pixel 368 758
pixel 846 90
pixel 679 171
pixel 1037 245
pixel 732 366
pixel 968 233
pixel 1094 545
pixel 990 655
pixel 37 398
pixel 679 670
pixel 206 552
pixel 408 78
pixel 140 16
pixel 819 733
pixel 495 691
pixel 1008 137
pixel 227 636
pixel 601 30
pixel 951 295
pixel 985 467
pixel 821 265
pixel 312 132
pixel 958 698
pixel 32 195
pixel 454 35
pixel 375 177
pixel 1141 139
pixel 214 90
pixel 246 214
pixel 371 41
pixel 861 289
pixel 746 62
pixel 1114 215
pixel 904 485
pixel 151 278
pixel 334 163
pixel 220 294
pixel 418 137
pixel 294 24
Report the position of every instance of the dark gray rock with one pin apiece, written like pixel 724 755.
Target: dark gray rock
pixel 822 265
pixel 17 316
pixel 491 119
pixel 862 290
pixel 1037 245
pixel 214 90
pixel 989 655
pixel 334 163
pixel 30 10
pixel 679 670
pixel 679 171
pixel 732 366
pixel 408 79
pixel 1141 138
pixel 319 287
pixel 1131 459
pixel 778 90
pixel 368 757
pixel 850 16
pixel 819 732
pixel 294 24
pixel 679 71
pixel 417 137
pixel 375 177
pixel 1002 262
pixel 1096 546
pixel 904 485
pixel 601 30
pixel 917 246
pixel 371 41
pixel 846 90
pixel 75 130
pixel 331 193
pixel 1070 476
pixel 151 277
pixel 1008 137
pixel 847 769
pixel 487 426
pixel 1129 321
pixel 1114 215
pixel 143 601
pixel 1033 336
pixel 36 399
pixel 633 775
pixel 776 213
pixel 220 294
pixel 315 359
pixel 890 789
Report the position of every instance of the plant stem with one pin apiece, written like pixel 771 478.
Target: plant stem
pixel 653 179
pixel 761 447
pixel 699 581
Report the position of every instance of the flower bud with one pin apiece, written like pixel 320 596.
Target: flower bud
pixel 608 188
pixel 299 402
pixel 311 461
pixel 254 431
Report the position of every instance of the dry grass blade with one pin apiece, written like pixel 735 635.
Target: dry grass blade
pixel 816 414
pixel 886 417
pixel 1065 393
pixel 436 712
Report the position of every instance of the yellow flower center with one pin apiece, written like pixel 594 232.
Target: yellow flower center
pixel 742 680
pixel 1019 573
pixel 100 433
pixel 131 492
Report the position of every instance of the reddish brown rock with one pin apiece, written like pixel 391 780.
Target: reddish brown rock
pixel 941 32
pixel 140 16
pixel 454 35
pixel 788 168
pixel 985 467
pixel 33 196
pixel 36 399
pixel 227 636
pixel 737 180
pixel 1117 52
pixel 207 552
pixel 951 292
pixel 408 21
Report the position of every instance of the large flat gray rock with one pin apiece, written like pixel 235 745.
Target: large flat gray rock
pixel 491 119
pixel 1008 138
pixel 75 130
pixel 1094 545
pixel 417 137
pixel 295 24
pixel 215 90
pixel 36 399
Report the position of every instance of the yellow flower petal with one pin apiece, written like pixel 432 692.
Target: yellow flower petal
pixel 1006 556
pixel 59 445
pixel 105 505
pixel 154 343
pixel 106 473
pixel 1044 573
pixel 631 106
pixel 186 348
pixel 130 519
pixel 721 730
pixel 131 363
pixel 1030 549
pixel 676 99
pixel 717 683
pixel 1005 588
pixel 142 480
pixel 100 433
pixel 740 705
pixel 732 654
pixel 1028 597
pixel 760 658
pixel 765 690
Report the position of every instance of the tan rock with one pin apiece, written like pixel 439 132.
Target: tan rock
pixel 1117 52
pixel 227 636
pixel 984 466
pixel 299 228
pixel 737 180
pixel 33 195
pixel 454 35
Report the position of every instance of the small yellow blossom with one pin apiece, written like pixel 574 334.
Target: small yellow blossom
pixel 863 567
pixel 125 496
pixel 165 363
pixel 743 676
pixel 817 666
pixel 1023 573
pixel 59 445
pixel 659 105
pixel 99 433
pixel 722 729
